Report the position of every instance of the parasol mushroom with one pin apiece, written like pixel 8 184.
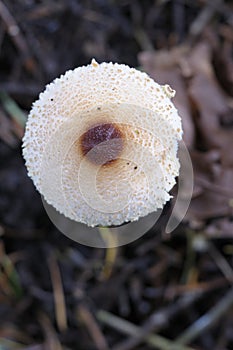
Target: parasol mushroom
pixel 101 144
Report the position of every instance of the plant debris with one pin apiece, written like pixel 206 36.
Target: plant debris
pixel 161 291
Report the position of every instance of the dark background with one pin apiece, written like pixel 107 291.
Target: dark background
pixel 57 294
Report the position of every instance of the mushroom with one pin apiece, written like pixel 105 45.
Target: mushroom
pixel 101 144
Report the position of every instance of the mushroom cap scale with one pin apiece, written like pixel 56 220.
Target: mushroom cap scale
pixel 111 110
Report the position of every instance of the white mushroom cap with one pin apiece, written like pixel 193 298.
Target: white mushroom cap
pixel 101 144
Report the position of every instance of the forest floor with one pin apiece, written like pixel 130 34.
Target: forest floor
pixel 162 291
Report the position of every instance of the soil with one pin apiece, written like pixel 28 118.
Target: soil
pixel 163 291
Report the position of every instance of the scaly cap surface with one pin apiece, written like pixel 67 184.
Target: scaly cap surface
pixel 100 144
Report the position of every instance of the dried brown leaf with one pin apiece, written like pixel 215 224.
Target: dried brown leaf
pixel 163 66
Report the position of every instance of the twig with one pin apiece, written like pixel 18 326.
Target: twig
pixel 214 187
pixel 52 342
pixel 93 328
pixel 204 17
pixel 15 33
pixel 159 320
pixel 204 286
pixel 45 10
pixel 143 39
pixel 10 344
pixel 7 130
pixel 9 279
pixel 221 262
pixel 129 328
pixel 207 320
pixel 13 109
pixel 59 299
